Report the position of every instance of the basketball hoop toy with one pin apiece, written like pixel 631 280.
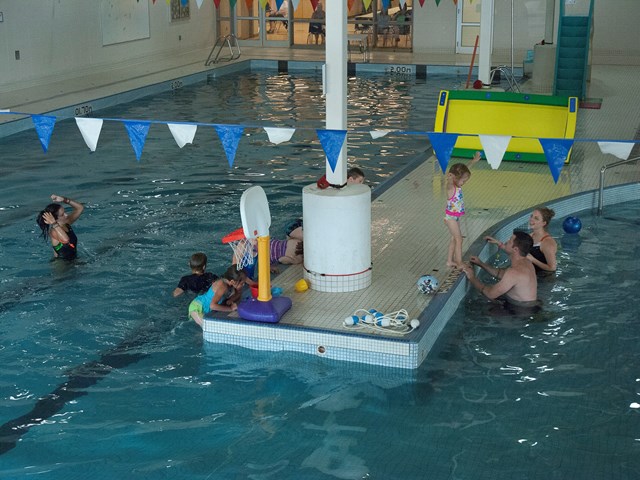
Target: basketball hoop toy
pixel 395 322
pixel 243 251
pixel 256 220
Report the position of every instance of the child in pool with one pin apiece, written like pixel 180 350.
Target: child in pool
pixel 221 296
pixel 458 175
pixel 199 280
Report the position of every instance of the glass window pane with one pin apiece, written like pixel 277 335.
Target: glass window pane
pixel 469 35
pixel 471 11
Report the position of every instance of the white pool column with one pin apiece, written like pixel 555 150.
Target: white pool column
pixel 486 41
pixel 337 237
pixel 337 221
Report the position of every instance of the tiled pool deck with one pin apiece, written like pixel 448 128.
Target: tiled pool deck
pixel 409 238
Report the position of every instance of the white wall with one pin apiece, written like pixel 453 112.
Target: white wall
pixel 63 38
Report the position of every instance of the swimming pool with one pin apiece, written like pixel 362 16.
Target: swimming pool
pixel 555 395
pixel 128 388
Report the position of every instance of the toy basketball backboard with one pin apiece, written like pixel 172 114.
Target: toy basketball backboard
pixel 254 212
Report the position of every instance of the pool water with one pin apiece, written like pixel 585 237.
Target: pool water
pixel 103 377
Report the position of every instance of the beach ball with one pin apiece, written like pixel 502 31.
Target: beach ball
pixel 572 225
pixel 428 284
pixel 301 285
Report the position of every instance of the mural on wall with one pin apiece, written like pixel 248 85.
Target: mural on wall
pixel 124 20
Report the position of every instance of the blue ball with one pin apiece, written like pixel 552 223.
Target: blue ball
pixel 572 225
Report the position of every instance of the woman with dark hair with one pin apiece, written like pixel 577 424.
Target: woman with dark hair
pixel 544 250
pixel 56 226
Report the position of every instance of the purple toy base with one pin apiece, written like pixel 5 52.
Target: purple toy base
pixel 268 312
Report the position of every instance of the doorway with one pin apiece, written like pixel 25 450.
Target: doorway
pixel 468 25
pixel 256 26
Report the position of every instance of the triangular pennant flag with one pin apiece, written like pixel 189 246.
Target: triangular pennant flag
pixel 332 141
pixel 443 144
pixel 184 3
pixel 402 3
pixel 422 2
pixel 295 4
pixel 232 3
pixel 263 4
pixel 314 4
pixel 367 4
pixel 230 137
pixel 199 3
pixel 378 133
pixel 279 135
pixel 350 4
pixel 437 3
pixel 622 150
pixel 182 133
pixel 216 3
pixel 494 147
pixel 455 2
pixel 137 135
pixel 385 4
pixel 44 128
pixel 556 150
pixel 90 129
pixel 249 4
pixel 278 4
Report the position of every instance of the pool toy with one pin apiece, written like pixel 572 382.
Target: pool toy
pixel 394 322
pixel 301 286
pixel 572 225
pixel 428 284
pixel 256 220
pixel 525 117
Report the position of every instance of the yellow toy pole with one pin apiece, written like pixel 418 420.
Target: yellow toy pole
pixel 264 271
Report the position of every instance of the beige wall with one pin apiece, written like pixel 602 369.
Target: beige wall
pixel 63 38
pixel 614 40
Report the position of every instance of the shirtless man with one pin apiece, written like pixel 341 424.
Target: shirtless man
pixel 517 284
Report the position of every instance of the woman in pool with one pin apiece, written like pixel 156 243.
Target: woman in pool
pixel 56 226
pixel 543 252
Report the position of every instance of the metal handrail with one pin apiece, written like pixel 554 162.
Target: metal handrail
pixel 220 43
pixel 601 186
pixel 508 74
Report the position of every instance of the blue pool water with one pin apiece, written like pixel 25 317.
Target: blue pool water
pixel 104 378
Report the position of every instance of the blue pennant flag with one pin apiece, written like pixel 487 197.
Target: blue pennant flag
pixel 279 4
pixel 385 4
pixel 44 128
pixel 184 3
pixel 443 144
pixel 137 135
pixel 230 137
pixel 331 141
pixel 556 150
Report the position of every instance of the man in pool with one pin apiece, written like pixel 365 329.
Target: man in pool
pixel 517 284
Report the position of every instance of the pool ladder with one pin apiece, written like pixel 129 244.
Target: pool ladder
pixel 601 186
pixel 508 75
pixel 230 41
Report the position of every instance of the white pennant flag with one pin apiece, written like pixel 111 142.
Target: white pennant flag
pixel 199 3
pixel 494 147
pixel 182 133
pixel 90 129
pixel 279 135
pixel 295 4
pixel 378 133
pixel 622 150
